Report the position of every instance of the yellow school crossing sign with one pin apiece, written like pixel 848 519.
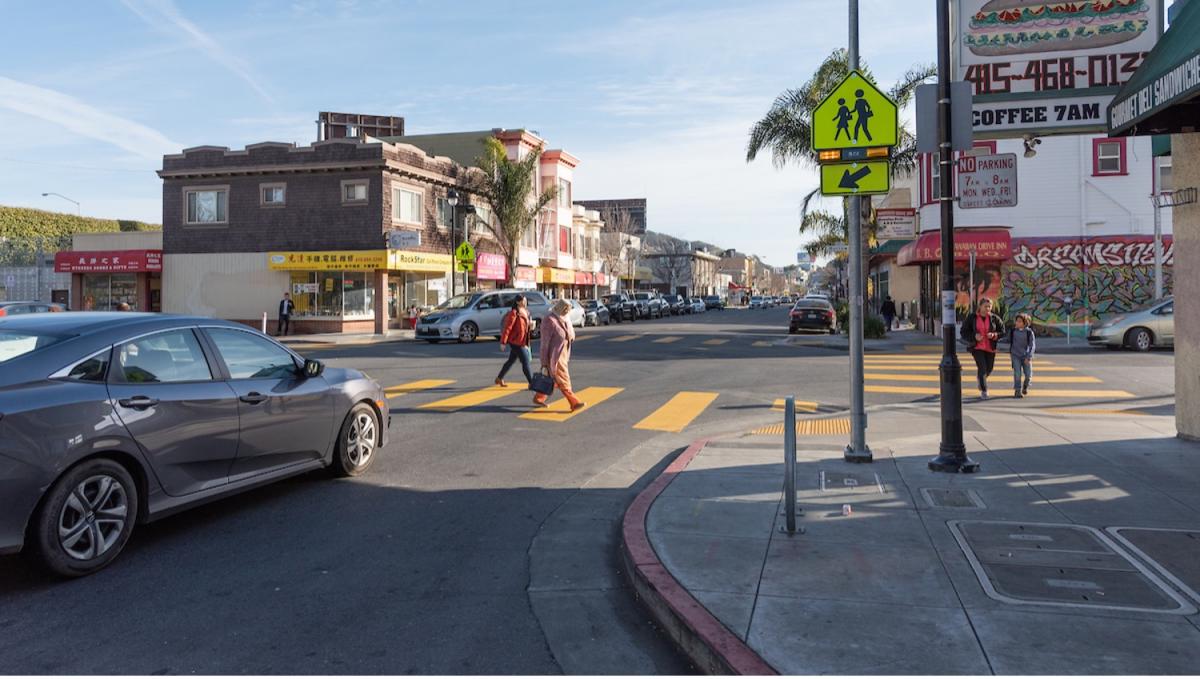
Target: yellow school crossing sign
pixel 855 179
pixel 464 254
pixel 854 115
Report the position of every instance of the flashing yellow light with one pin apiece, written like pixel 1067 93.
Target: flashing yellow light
pixel 829 155
pixel 878 152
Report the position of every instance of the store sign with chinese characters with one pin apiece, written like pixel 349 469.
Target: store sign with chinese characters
pixel 1049 67
pixel 987 181
pixel 340 260
pixel 108 261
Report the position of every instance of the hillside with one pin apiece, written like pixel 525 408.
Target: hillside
pixel 21 228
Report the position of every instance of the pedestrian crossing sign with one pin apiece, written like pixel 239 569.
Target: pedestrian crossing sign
pixel 856 114
pixel 465 253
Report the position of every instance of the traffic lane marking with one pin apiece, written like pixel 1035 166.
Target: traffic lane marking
pixel 624 338
pixel 971 391
pixel 1053 379
pixel 473 398
pixel 560 410
pixel 715 342
pixel 679 412
pixel 419 385
pixel 667 340
pixel 801 406
pixel 1037 367
pixel 761 343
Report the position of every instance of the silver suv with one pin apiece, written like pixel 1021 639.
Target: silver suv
pixel 467 316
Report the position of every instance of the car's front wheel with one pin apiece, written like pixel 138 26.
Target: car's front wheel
pixel 86 518
pixel 357 443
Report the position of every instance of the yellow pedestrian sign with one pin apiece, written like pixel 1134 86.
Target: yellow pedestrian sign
pixel 855 179
pixel 856 114
pixel 465 253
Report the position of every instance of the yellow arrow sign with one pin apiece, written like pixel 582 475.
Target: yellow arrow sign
pixel 855 179
pixel 854 115
pixel 465 253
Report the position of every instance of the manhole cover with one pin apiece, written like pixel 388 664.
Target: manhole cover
pixel 1061 565
pixel 952 498
pixel 1173 552
pixel 851 482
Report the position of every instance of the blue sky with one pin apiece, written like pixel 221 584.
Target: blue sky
pixel 655 97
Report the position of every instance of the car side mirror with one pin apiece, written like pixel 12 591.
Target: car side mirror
pixel 313 368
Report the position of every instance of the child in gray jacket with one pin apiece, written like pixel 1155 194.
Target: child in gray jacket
pixel 1021 345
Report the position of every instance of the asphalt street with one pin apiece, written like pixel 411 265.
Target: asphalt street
pixel 481 541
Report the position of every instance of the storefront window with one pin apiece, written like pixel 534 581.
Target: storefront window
pixel 105 292
pixel 340 294
pixel 424 290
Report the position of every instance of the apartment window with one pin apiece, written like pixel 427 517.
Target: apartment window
pixel 1108 157
pixel 1162 179
pixel 354 191
pixel 207 205
pixel 483 219
pixel 529 238
pixel 272 195
pixel 934 189
pixel 445 213
pixel 406 206
pixel 564 239
pixel 564 193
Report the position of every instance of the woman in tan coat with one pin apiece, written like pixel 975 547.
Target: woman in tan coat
pixel 555 354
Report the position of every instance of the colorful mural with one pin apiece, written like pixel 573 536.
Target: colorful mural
pixel 1054 279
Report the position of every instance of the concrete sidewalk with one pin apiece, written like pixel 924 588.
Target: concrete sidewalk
pixel 339 339
pixel 1031 566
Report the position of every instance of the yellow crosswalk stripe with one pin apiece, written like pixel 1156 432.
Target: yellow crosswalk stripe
pixel 1000 389
pixel 923 348
pixel 1095 411
pixel 1053 379
pixel 761 343
pixel 474 398
pixel 801 406
pixel 410 387
pixel 715 342
pixel 580 338
pixel 1037 367
pixel 560 410
pixel 667 340
pixel 624 338
pixel 678 412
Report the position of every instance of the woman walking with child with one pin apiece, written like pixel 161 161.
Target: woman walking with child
pixel 981 331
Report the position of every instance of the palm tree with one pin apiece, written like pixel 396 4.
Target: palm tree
pixel 509 189
pixel 786 131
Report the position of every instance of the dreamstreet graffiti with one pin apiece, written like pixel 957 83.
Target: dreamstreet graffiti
pixel 1094 252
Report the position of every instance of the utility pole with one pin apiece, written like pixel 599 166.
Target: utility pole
pixel 1158 249
pixel 952 453
pixel 857 451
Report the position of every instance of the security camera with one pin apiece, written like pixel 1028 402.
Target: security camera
pixel 1031 143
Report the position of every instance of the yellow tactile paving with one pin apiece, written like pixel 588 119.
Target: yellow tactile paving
pixel 715 342
pixel 624 338
pixel 560 410
pixel 999 389
pixel 474 398
pixel 1053 379
pixel 667 340
pixel 678 412
pixel 801 406
pixel 826 427
pixel 419 385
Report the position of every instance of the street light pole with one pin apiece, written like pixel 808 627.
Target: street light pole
pixel 452 201
pixel 78 209
pixel 857 451
pixel 952 453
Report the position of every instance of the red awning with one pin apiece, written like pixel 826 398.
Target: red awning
pixel 992 244
pixel 108 261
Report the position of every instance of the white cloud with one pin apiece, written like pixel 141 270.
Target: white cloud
pixel 163 14
pixel 84 119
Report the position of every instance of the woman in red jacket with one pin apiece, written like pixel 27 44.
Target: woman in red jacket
pixel 514 335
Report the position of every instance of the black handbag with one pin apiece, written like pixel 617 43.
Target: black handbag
pixel 542 384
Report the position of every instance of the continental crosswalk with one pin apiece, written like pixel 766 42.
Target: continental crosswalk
pixel 915 373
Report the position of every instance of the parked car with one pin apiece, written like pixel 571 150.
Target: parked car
pixel 697 305
pixel 649 304
pixel 714 302
pixel 786 300
pixel 597 313
pixel 620 306
pixel 467 316
pixel 577 315
pixel 812 314
pixel 1152 325
pixel 757 302
pixel 678 304
pixel 18 308
pixel 115 419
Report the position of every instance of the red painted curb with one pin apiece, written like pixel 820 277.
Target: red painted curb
pixel 720 651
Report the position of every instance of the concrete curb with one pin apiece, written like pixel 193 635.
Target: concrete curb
pixel 706 642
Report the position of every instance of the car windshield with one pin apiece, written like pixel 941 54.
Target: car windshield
pixel 641 295
pixel 14 343
pixel 590 304
pixel 613 299
pixel 457 302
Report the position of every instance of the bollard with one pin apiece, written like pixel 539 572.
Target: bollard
pixel 264 323
pixel 789 464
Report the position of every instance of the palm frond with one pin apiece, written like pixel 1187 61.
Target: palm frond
pixel 902 91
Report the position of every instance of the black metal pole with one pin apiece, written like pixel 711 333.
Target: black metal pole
pixel 952 454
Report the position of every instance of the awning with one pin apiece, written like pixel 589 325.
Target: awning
pixel 991 244
pixel 1163 95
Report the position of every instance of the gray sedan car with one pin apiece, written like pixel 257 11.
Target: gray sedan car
pixel 1142 329
pixel 113 419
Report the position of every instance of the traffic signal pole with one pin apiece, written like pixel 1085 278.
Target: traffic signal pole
pixel 857 451
pixel 952 453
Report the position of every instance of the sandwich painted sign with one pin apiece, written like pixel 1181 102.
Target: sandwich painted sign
pixel 1049 67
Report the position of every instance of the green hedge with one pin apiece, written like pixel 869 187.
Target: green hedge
pixel 21 230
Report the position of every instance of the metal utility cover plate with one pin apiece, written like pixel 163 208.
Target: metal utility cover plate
pixel 860 483
pixel 952 498
pixel 1173 552
pixel 1051 564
